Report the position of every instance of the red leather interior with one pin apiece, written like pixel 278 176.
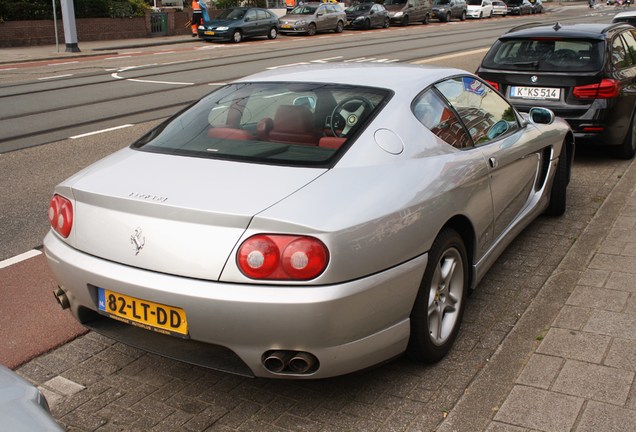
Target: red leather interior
pixel 229 133
pixel 293 124
pixel 331 142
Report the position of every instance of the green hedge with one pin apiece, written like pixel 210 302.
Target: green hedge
pixel 18 10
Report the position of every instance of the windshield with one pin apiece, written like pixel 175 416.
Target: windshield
pixel 562 55
pixel 394 2
pixel 514 2
pixel 441 2
pixel 474 2
pixel 234 14
pixel 303 10
pixel 274 123
pixel 359 8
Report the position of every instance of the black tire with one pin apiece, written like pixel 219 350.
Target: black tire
pixel 311 29
pixel 387 22
pixel 447 17
pixel 627 149
pixel 558 192
pixel 273 33
pixel 367 24
pixel 480 15
pixel 405 21
pixel 439 306
pixel 463 16
pixel 427 19
pixel 237 36
pixel 339 27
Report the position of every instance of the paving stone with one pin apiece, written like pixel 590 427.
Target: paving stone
pixel 595 278
pixel 613 263
pixel 574 344
pixel 622 354
pixel 540 371
pixel 52 398
pixel 572 317
pixel 612 324
pixel 598 298
pixel 502 427
pixel 63 386
pixel 539 409
pixel 607 418
pixel 622 281
pixel 589 381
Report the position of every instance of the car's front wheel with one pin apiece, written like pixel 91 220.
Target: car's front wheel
pixel 339 27
pixel 237 36
pixel 387 22
pixel 447 17
pixel 627 149
pixel 463 16
pixel 427 19
pixel 311 29
pixel 439 306
pixel 273 33
pixel 405 21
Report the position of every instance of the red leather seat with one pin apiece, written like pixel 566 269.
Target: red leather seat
pixel 293 124
pixel 229 133
pixel 331 142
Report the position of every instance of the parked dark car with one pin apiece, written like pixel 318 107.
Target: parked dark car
pixel 445 10
pixel 403 12
pixel 537 6
pixel 311 18
pixel 519 7
pixel 238 23
pixel 367 15
pixel 584 73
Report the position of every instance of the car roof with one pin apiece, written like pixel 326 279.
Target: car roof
pixel 397 77
pixel 625 14
pixel 581 30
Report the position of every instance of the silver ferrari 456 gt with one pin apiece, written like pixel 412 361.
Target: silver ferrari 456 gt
pixel 306 222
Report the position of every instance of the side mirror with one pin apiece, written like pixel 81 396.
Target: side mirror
pixel 308 101
pixel 247 19
pixel 541 116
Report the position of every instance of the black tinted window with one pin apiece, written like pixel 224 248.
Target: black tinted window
pixel 558 55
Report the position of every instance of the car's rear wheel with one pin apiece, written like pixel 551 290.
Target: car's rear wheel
pixel 427 19
pixel 339 27
pixel 237 36
pixel 627 150
pixel 311 29
pixel 273 33
pixel 439 306
pixel 558 192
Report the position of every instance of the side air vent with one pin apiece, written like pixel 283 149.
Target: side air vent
pixel 546 155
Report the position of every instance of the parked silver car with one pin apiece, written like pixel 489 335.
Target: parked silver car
pixel 306 222
pixel 311 18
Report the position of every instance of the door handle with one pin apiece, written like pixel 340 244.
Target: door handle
pixel 493 162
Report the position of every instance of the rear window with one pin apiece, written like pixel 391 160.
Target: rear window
pixel 304 124
pixel 545 54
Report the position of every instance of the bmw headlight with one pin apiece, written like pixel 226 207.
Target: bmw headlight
pixel 222 28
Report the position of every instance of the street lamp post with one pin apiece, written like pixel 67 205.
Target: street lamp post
pixel 68 21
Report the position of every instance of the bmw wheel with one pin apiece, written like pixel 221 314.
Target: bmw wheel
pixel 439 306
pixel 627 149
pixel 237 36
pixel 273 33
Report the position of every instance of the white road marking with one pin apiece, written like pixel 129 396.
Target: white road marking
pixel 159 82
pixel 63 63
pixel 449 56
pixel 7 69
pixel 117 57
pixel 217 84
pixel 19 258
pixel 100 131
pixel 55 77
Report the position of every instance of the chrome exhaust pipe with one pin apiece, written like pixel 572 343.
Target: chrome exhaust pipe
pixel 277 361
pixel 62 298
pixel 302 362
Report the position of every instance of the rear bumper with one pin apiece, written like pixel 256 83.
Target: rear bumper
pixel 347 327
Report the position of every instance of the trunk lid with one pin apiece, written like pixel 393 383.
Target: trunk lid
pixel 172 214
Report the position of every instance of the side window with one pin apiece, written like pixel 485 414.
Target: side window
pixel 433 112
pixel 261 14
pixel 619 53
pixel 251 14
pixel 485 113
pixel 630 42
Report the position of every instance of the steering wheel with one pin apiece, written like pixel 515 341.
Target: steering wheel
pixel 348 113
pixel 563 56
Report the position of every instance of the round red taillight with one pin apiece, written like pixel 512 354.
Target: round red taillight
pixel 282 257
pixel 304 258
pixel 61 215
pixel 258 257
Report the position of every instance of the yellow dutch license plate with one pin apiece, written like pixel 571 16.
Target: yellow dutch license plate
pixel 142 313
pixel 209 33
pixel 286 26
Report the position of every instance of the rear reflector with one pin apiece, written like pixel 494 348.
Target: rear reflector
pixel 606 89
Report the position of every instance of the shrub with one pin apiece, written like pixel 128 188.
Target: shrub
pixel 18 10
